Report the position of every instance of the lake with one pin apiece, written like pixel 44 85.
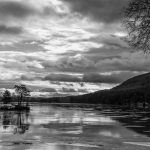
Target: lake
pixel 77 127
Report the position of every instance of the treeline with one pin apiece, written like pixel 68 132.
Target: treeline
pixel 21 94
pixel 115 96
pixel 112 97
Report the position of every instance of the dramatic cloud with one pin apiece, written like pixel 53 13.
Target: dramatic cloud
pixel 68 90
pixel 110 78
pixel 10 30
pixel 65 47
pixel 15 9
pixel 113 78
pixel 48 90
pixel 30 77
pixel 63 78
pixel 136 61
pixel 100 10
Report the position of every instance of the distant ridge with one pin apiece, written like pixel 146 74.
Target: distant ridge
pixel 135 82
pixel 133 91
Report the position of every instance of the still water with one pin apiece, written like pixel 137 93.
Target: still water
pixel 79 127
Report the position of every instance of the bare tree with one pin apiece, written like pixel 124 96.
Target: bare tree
pixel 137 23
pixel 22 92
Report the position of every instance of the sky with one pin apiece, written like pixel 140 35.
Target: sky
pixel 66 47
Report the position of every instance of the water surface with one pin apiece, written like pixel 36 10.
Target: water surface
pixel 79 127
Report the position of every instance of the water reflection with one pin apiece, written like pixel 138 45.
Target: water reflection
pixel 137 121
pixel 77 128
pixel 14 122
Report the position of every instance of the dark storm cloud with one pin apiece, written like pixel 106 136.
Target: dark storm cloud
pixel 62 78
pixel 93 77
pixel 48 90
pixel 15 9
pixel 102 60
pixel 126 62
pixel 98 63
pixel 10 30
pixel 28 78
pixel 100 10
pixel 111 79
pixel 70 64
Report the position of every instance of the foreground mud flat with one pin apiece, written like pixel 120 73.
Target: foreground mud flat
pixel 50 127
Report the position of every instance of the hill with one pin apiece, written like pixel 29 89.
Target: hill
pixel 131 92
pixel 135 82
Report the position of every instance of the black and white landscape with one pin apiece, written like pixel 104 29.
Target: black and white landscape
pixel 74 74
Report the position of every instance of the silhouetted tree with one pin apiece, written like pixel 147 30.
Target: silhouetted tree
pixel 137 22
pixel 6 97
pixel 22 91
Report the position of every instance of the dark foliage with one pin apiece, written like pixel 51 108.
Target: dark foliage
pixel 6 97
pixel 137 23
pixel 22 92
